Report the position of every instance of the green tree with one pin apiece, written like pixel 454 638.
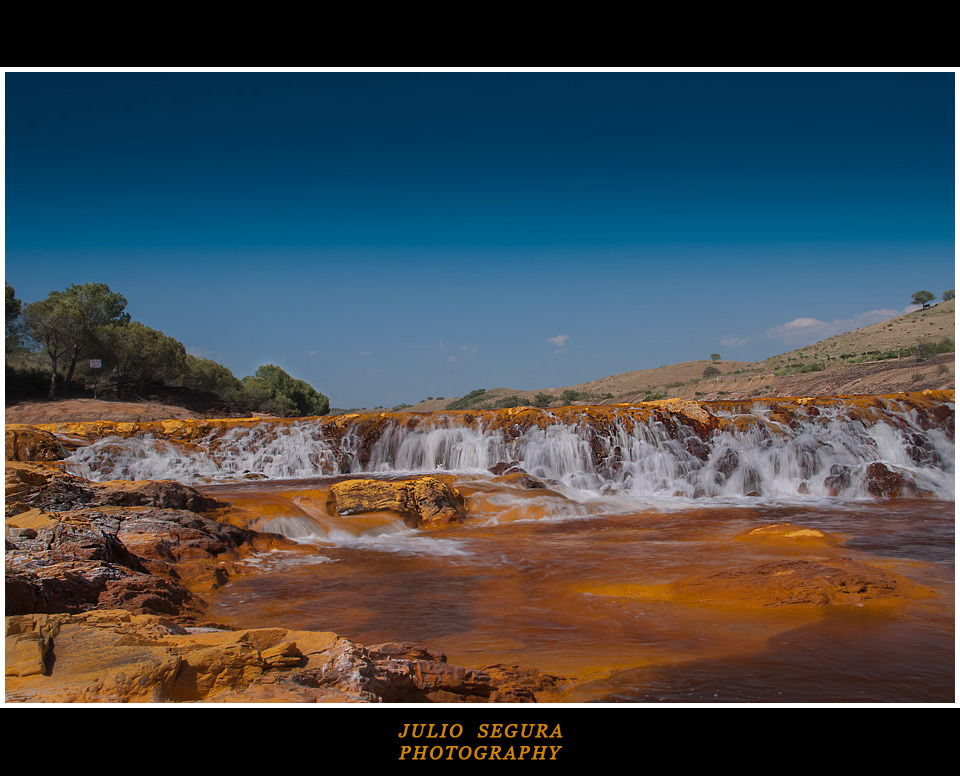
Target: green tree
pixel 714 356
pixel 466 402
pixel 141 355
pixel 94 306
pixel 287 395
pixel 67 324
pixel 711 371
pixel 948 295
pixel 50 322
pixel 922 298
pixel 542 400
pixel 13 321
pixel 203 374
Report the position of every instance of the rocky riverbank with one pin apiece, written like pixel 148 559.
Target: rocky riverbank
pixel 104 602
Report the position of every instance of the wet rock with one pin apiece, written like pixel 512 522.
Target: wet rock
pixel 30 485
pixel 506 468
pixel 137 558
pixel 168 494
pixel 798 583
pixel 26 443
pixel 72 586
pixel 838 480
pixel 521 480
pixel 789 534
pixel 51 489
pixel 423 502
pixel 149 594
pixel 696 447
pixel 808 460
pixel 751 482
pixel 883 482
pixel 727 462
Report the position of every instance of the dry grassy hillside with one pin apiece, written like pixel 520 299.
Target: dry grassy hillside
pixel 903 332
pixel 906 353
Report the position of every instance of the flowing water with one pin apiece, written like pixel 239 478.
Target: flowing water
pixel 546 577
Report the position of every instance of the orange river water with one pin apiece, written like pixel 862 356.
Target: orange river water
pixel 531 578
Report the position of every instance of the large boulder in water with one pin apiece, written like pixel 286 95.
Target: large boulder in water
pixel 423 502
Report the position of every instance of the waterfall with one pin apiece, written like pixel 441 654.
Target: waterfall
pixel 770 448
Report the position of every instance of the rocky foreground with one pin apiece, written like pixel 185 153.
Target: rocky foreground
pixel 104 602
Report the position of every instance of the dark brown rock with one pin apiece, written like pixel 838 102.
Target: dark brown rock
pixel 727 462
pixel 885 483
pixel 168 494
pixel 506 468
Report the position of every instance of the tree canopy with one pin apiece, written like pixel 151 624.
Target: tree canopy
pixel 12 321
pixel 274 390
pixel 922 298
pixel 68 324
pixel 90 321
pixel 141 355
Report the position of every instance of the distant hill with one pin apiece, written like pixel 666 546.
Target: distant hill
pixel 911 352
pixel 904 332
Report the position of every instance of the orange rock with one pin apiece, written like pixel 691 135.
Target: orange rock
pixel 28 443
pixel 115 656
pixel 798 583
pixel 422 502
pixel 788 533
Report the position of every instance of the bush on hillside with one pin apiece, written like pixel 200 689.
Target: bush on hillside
pixel 469 401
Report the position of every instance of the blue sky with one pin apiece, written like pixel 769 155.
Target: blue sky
pixel 389 236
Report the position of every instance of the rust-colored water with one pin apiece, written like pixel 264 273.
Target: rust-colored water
pixel 517 584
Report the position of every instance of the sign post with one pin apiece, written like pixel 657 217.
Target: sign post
pixel 95 364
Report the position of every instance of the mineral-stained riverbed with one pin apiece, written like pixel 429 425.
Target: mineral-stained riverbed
pixel 768 551
pixel 574 590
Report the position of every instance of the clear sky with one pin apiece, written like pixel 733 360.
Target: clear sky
pixel 389 236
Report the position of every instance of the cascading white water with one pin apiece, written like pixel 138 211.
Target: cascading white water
pixel 820 456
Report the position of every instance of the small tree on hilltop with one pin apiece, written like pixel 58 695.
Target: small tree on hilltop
pixel 948 295
pixel 714 356
pixel 923 298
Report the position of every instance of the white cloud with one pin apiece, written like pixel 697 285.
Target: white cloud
pixel 312 353
pixel 733 342
pixel 560 340
pixel 364 353
pixel 804 331
pixel 469 350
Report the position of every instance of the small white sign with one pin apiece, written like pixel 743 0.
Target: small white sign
pixel 95 363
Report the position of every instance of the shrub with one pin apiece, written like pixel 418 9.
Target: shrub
pixel 542 400
pixel 711 371
pixel 273 390
pixel 468 401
